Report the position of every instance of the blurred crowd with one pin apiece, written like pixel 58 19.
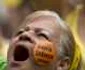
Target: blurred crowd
pixel 13 12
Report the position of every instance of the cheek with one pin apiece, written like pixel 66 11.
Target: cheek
pixel 44 53
pixel 14 40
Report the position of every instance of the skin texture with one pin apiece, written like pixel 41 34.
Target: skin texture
pixel 46 30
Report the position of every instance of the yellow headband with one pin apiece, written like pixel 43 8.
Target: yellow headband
pixel 76 59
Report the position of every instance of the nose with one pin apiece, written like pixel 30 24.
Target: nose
pixel 26 37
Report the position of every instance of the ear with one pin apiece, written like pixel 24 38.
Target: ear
pixel 63 64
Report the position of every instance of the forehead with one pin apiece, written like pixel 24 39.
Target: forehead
pixel 45 22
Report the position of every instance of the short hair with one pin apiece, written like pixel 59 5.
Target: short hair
pixel 37 14
pixel 67 41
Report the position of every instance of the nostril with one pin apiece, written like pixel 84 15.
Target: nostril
pixel 21 53
pixel 25 38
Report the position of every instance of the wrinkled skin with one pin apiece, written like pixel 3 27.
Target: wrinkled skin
pixel 43 28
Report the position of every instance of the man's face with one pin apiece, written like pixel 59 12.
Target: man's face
pixel 20 54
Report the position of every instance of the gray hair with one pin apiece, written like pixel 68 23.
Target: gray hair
pixel 37 14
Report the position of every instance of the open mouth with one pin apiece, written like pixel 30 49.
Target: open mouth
pixel 21 53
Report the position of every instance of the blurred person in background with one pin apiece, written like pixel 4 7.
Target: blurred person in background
pixel 3 50
pixel 82 22
pixel 4 41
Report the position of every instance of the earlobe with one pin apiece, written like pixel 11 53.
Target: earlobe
pixel 63 64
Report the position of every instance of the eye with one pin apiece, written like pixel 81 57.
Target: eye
pixel 19 32
pixel 27 28
pixel 42 35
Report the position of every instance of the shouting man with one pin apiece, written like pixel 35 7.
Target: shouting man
pixel 44 42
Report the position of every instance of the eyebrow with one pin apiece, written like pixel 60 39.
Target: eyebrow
pixel 37 29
